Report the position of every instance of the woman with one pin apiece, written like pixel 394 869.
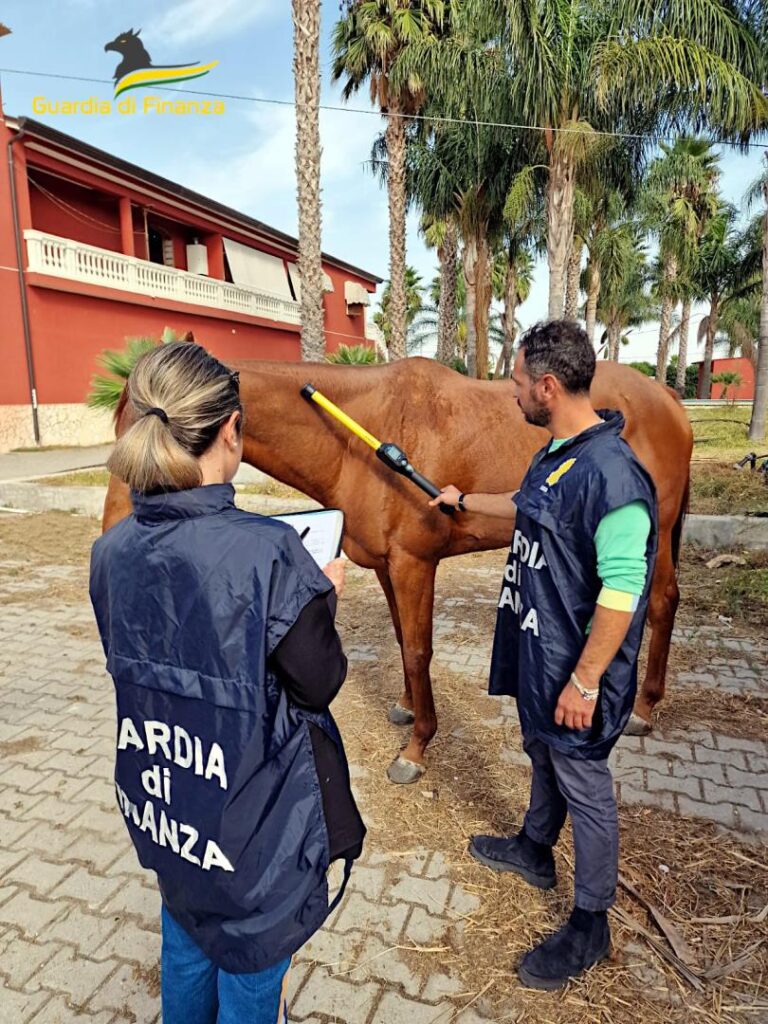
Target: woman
pixel 219 633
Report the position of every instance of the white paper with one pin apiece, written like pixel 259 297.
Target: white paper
pixel 320 532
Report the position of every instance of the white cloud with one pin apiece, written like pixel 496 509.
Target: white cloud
pixel 190 21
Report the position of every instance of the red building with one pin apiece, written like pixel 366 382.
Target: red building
pixel 94 250
pixel 745 391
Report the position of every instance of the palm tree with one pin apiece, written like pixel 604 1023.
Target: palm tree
pixel 414 301
pixel 757 423
pixel 306 74
pixel 576 68
pixel 425 328
pixel 368 41
pixel 680 196
pixel 717 273
pixel 514 290
pixel 624 299
pixel 442 235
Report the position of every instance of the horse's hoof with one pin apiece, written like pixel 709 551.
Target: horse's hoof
pixel 637 726
pixel 398 715
pixel 403 772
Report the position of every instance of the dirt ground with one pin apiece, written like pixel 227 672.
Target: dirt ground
pixel 711 888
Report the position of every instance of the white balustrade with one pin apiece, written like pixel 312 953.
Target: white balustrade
pixel 76 261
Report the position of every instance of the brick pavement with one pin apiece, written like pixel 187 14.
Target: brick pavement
pixel 79 936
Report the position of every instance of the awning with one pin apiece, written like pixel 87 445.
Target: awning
pixel 255 269
pixel 355 294
pixel 295 276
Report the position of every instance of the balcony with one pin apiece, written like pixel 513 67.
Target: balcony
pixel 76 261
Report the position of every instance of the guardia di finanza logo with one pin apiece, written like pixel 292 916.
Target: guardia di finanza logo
pixel 136 70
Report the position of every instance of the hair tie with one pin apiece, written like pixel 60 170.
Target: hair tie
pixel 154 411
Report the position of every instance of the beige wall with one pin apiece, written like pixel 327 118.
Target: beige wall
pixel 70 424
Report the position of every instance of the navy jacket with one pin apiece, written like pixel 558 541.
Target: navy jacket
pixel 215 772
pixel 551 586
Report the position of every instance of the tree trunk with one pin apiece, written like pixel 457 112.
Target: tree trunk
pixel 447 321
pixel 559 228
pixel 483 297
pixel 398 302
pixel 571 310
pixel 306 72
pixel 705 388
pixel 682 358
pixel 665 321
pixel 760 406
pixel 508 319
pixel 469 263
pixel 613 332
pixel 593 293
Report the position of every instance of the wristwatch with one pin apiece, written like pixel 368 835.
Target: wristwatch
pixel 590 695
pixel 460 503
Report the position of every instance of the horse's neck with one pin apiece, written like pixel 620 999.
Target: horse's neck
pixel 284 434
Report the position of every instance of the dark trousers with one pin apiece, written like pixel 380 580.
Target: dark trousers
pixel 584 789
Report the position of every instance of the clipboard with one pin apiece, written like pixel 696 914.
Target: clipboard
pixel 321 531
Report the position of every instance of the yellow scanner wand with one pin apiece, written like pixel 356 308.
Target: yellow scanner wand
pixel 390 454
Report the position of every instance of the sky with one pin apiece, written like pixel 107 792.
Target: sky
pixel 244 157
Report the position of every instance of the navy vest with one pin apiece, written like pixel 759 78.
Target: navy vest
pixel 551 586
pixel 214 772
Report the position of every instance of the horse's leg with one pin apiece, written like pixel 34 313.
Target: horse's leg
pixel 413 585
pixel 662 607
pixel 400 713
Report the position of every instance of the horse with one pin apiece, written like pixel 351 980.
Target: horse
pixel 455 430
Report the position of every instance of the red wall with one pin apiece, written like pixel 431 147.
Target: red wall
pixel 70 331
pixel 87 216
pixel 745 370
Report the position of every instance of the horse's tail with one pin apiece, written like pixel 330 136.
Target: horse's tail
pixel 677 529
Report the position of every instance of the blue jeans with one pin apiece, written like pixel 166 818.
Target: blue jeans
pixel 196 991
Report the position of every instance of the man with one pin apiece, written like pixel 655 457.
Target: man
pixel 568 632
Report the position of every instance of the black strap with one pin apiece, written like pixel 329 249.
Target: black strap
pixel 460 502
pixel 338 897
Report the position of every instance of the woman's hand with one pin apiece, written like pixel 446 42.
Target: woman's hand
pixel 335 571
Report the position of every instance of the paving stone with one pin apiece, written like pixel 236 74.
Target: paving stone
pixel 133 992
pixel 358 914
pixel 752 821
pixel 394 1008
pixel 423 928
pixel 463 903
pixel 52 840
pixel 632 795
pixel 75 976
pixel 377 961
pixel 738 778
pixel 96 855
pixel 713 772
pixel 367 880
pixel 8 858
pixel 439 986
pixel 667 748
pixel 336 998
pixel 129 942
pixel 438 866
pixel 707 755
pixel 85 931
pixel 18 1007
pixel 39 875
pixel 53 810
pixel 738 743
pixel 57 1011
pixel 29 915
pixel 720 813
pixel 726 794
pixel 93 890
pixel 136 899
pixel 333 950
pixel 690 785
pixel 429 893
pixel 20 959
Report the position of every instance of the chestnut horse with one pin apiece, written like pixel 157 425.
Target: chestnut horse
pixel 455 430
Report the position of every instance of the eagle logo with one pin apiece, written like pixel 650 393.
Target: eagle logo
pixel 136 69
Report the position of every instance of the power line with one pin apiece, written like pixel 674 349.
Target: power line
pixel 424 118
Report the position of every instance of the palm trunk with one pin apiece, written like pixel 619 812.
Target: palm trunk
pixel 469 263
pixel 593 293
pixel 614 341
pixel 760 406
pixel 447 325
pixel 682 358
pixel 484 294
pixel 572 285
pixel 559 228
pixel 306 71
pixel 396 183
pixel 705 388
pixel 504 365
pixel 665 321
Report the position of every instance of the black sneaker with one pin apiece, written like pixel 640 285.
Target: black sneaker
pixel 519 854
pixel 565 955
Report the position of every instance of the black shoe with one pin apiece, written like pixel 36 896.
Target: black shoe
pixel 532 861
pixel 566 954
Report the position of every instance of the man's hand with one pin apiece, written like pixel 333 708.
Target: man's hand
pixel 335 571
pixel 448 496
pixel 572 710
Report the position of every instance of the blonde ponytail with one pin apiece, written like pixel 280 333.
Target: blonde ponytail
pixel 180 396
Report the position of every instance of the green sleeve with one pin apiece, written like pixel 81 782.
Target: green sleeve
pixel 620 543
